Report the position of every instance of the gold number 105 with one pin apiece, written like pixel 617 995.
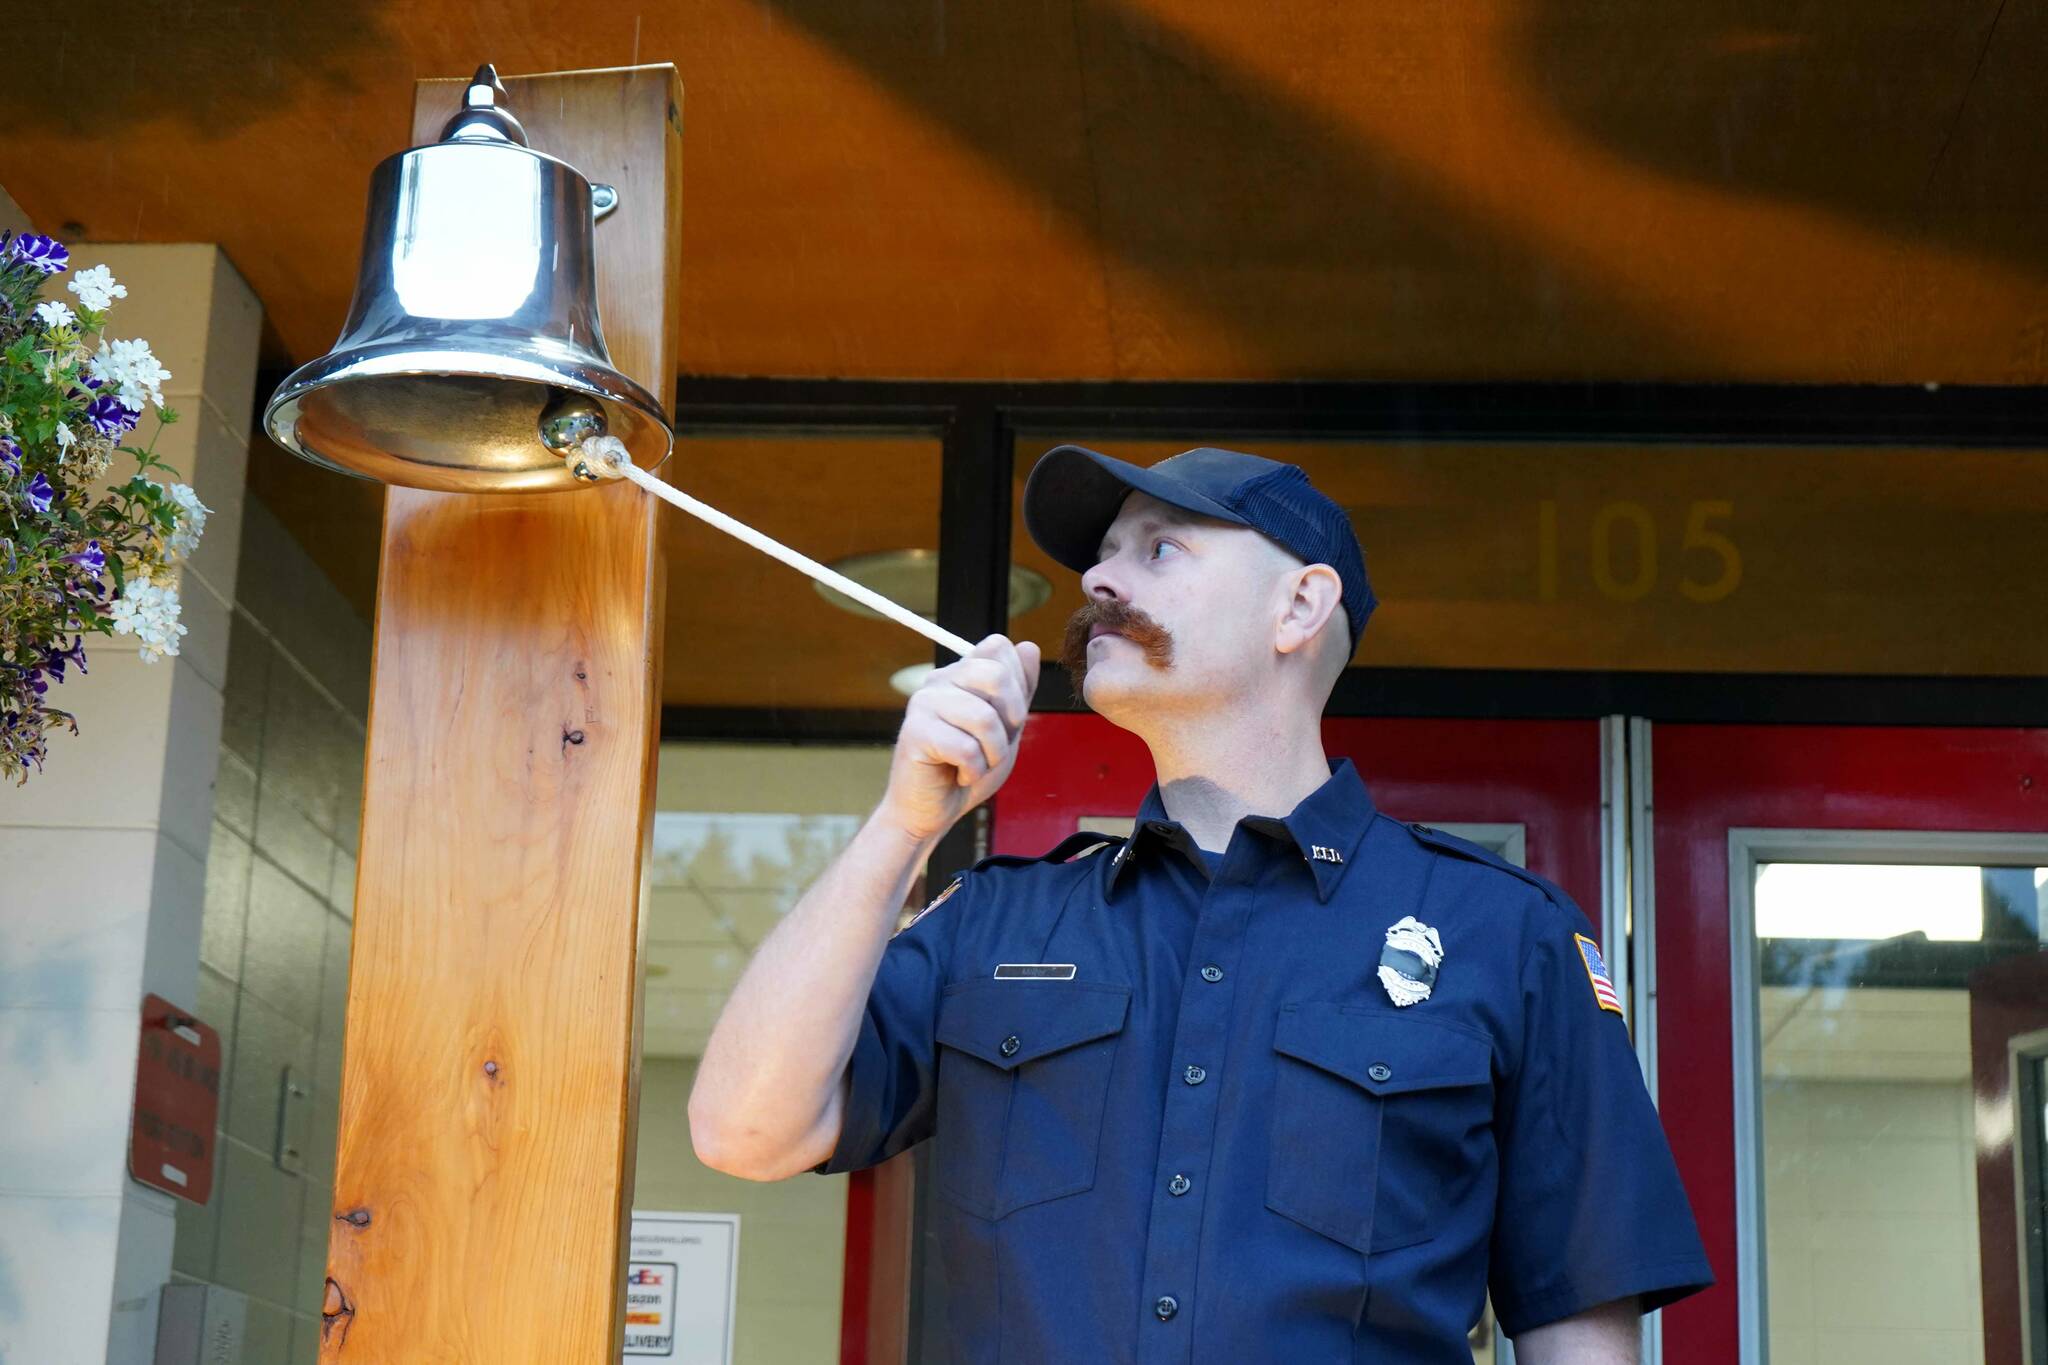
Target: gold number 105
pixel 1619 522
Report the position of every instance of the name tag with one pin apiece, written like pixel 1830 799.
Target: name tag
pixel 1035 971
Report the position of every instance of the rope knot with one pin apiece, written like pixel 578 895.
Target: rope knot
pixel 597 458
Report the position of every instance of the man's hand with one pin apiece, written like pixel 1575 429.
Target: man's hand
pixel 959 737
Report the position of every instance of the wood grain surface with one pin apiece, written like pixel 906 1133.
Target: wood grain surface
pixel 484 1174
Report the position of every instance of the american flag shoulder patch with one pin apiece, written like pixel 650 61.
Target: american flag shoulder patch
pixel 1596 972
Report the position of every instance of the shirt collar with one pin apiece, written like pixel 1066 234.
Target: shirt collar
pixel 1325 828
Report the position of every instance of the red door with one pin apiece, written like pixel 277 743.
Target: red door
pixel 1827 903
pixel 2009 1057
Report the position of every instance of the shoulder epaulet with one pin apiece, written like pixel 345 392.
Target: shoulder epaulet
pixel 1083 843
pixel 1061 852
pixel 1479 853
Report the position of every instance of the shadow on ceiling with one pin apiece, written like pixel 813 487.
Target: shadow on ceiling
pixel 233 63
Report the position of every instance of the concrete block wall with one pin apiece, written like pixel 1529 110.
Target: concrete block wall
pixel 106 865
pixel 274 954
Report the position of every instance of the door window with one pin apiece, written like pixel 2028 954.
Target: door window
pixel 1872 1103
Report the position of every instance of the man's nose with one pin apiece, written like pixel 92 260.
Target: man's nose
pixel 1101 581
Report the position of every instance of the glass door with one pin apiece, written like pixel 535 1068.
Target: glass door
pixel 1850 965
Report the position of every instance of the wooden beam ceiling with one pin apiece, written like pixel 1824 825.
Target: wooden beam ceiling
pixel 1171 188
pixel 1781 191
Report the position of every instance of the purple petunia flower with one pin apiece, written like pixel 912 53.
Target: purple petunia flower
pixel 39 493
pixel 10 457
pixel 108 417
pixel 46 254
pixel 92 559
pixel 55 659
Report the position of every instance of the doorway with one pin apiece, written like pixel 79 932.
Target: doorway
pixel 1851 975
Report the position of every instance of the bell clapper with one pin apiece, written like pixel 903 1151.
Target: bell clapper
pixel 600 456
pixel 569 420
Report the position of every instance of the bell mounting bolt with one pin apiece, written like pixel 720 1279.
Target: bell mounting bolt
pixel 486 113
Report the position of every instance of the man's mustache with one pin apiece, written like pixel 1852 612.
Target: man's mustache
pixel 1123 618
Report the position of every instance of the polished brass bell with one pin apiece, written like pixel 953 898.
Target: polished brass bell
pixel 472 358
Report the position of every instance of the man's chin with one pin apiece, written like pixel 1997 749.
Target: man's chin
pixel 1109 686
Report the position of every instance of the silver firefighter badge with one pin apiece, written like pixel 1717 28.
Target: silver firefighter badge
pixel 1409 961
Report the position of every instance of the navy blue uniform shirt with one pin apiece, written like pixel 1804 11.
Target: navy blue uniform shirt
pixel 1219 1139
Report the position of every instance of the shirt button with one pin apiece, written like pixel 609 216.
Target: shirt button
pixel 1180 1184
pixel 1194 1075
pixel 1379 1071
pixel 1010 1046
pixel 1212 972
pixel 1166 1306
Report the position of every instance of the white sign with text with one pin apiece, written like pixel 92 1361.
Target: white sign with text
pixel 682 1273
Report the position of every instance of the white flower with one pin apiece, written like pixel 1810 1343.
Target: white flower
pixel 150 614
pixel 96 288
pixel 130 366
pixel 65 440
pixel 191 523
pixel 55 314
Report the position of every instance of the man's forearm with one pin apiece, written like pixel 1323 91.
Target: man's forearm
pixel 766 1100
pixel 1610 1334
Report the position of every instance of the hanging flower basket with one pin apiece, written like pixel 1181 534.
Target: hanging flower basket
pixel 77 555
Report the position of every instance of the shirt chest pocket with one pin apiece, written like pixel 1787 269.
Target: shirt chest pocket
pixel 1023 1079
pixel 1379 1122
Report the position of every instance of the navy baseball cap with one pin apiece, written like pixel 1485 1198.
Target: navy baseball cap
pixel 1073 495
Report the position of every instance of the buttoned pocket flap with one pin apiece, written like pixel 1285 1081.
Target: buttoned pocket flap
pixel 1380 1050
pixel 1009 1023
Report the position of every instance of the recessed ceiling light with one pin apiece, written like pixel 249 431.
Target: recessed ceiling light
pixel 912 578
pixel 908 680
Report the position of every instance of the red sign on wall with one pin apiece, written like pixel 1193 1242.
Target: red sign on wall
pixel 177 1102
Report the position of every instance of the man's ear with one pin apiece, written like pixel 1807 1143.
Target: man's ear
pixel 1317 592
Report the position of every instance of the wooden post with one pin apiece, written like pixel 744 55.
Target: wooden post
pixel 484 1177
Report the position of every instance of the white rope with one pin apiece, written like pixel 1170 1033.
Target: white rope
pixel 605 457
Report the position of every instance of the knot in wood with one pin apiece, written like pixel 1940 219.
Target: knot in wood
pixel 335 1315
